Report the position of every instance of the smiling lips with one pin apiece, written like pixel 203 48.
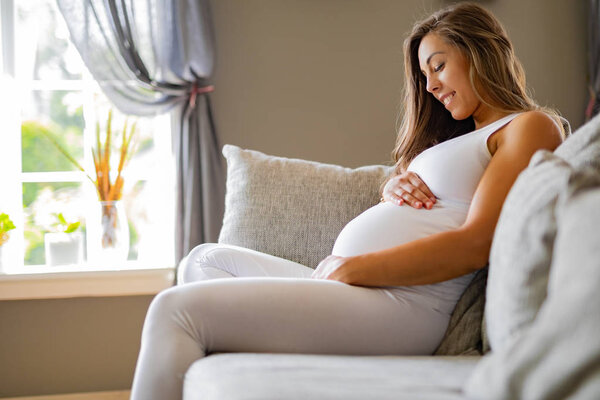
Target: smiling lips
pixel 447 98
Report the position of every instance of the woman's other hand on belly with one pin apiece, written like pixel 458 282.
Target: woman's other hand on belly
pixel 342 269
pixel 408 188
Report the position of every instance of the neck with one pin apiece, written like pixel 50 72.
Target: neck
pixel 485 115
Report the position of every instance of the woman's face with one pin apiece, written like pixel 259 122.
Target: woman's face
pixel 446 70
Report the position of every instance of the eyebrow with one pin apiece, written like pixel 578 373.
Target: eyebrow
pixel 433 54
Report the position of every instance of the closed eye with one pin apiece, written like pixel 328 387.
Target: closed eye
pixel 439 67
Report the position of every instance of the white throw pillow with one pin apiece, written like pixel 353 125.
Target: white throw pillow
pixel 522 249
pixel 293 208
pixel 557 356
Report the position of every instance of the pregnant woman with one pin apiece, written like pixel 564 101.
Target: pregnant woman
pixel 397 270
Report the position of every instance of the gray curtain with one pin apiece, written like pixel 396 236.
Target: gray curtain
pixel 594 59
pixel 156 56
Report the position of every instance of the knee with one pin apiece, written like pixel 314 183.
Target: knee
pixel 163 305
pixel 166 312
pixel 195 260
pixel 170 315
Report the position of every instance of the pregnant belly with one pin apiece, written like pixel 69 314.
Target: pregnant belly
pixel 387 225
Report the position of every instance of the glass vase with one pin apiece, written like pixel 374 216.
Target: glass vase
pixel 108 234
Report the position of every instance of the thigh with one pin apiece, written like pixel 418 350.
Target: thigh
pixel 306 316
pixel 212 260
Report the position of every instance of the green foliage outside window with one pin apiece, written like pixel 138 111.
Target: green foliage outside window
pixel 39 155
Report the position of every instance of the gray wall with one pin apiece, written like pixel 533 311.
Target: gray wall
pixel 322 79
pixel 316 79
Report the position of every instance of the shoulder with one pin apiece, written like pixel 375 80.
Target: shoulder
pixel 532 130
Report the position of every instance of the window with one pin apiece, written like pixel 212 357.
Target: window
pixel 46 86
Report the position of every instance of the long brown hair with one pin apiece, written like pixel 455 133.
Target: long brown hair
pixel 494 70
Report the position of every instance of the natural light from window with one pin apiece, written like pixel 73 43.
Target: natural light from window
pixel 45 86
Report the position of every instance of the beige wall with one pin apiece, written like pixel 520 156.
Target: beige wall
pixel 317 79
pixel 322 79
pixel 69 345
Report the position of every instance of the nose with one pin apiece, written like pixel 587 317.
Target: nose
pixel 433 84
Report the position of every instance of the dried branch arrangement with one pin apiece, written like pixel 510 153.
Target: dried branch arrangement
pixel 107 190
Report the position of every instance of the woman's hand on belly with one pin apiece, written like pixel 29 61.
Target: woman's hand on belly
pixel 342 269
pixel 410 189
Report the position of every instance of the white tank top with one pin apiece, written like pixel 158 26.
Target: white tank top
pixel 452 171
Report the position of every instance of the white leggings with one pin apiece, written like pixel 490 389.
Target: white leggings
pixel 271 306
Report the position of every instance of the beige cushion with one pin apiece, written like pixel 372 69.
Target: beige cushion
pixel 244 376
pixel 557 356
pixel 522 249
pixel 293 208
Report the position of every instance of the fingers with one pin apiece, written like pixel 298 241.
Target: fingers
pixel 397 198
pixel 326 267
pixel 408 188
pixel 394 197
pixel 423 188
pixel 416 199
pixel 389 194
pixel 318 272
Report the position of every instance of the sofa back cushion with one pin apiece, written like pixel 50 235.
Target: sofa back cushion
pixel 293 208
pixel 583 147
pixel 521 252
pixel 557 356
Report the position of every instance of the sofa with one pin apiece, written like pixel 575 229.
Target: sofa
pixel 527 326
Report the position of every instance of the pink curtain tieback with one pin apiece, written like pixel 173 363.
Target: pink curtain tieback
pixel 199 90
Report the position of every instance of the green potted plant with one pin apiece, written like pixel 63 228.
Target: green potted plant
pixel 65 245
pixel 6 225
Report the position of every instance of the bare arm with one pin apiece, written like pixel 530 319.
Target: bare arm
pixel 450 254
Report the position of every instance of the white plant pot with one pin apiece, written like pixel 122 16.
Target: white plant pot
pixel 63 248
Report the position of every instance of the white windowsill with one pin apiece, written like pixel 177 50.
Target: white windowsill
pixel 112 395
pixel 77 281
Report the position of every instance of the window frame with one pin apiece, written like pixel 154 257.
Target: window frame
pixel 13 271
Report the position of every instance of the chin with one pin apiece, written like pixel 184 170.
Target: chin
pixel 460 114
